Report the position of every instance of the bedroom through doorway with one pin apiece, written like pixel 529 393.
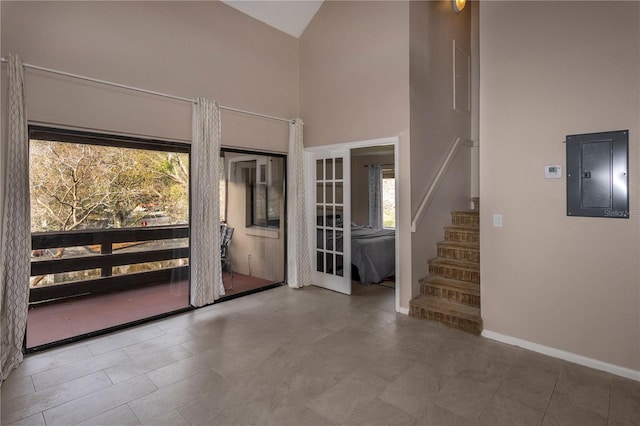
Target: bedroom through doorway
pixel 373 215
pixel 353 234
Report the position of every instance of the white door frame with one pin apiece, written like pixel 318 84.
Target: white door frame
pixel 309 166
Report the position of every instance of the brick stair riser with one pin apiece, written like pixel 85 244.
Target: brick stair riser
pixel 448 319
pixel 461 236
pixel 460 220
pixel 454 273
pixel 453 295
pixel 459 254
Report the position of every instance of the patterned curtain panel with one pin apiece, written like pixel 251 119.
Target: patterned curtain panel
pixel 298 260
pixel 206 269
pixel 16 227
pixel 375 196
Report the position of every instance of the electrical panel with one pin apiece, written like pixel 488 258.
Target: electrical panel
pixel 597 174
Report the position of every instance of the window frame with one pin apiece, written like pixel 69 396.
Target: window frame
pixel 108 283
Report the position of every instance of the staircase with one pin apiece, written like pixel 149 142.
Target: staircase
pixel 451 292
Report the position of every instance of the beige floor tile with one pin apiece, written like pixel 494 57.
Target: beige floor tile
pixel 206 388
pixel 377 412
pixel 585 388
pixel 124 338
pixel 121 416
pixel 340 341
pixel 41 362
pixel 438 416
pixel 413 390
pixel 159 343
pixel 180 370
pixel 624 405
pixel 27 405
pixel 464 397
pixel 81 368
pixel 308 357
pixel 562 413
pixel 144 363
pixel 508 412
pixel 171 418
pixel 34 420
pixel 529 385
pixel 15 386
pixel 98 402
pixel 348 396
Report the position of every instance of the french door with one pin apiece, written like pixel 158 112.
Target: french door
pixel 331 231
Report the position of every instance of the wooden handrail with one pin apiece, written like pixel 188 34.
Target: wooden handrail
pixel 442 171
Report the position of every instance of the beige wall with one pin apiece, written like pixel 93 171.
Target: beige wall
pixel 354 76
pixel 189 49
pixel 435 124
pixel 549 69
pixel 360 183
pixel 354 86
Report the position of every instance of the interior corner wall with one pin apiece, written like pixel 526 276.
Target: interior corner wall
pixel 551 69
pixel 435 125
pixel 187 49
pixel 354 86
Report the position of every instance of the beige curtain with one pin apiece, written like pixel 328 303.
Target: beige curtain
pixel 298 260
pixel 375 196
pixel 16 227
pixel 206 269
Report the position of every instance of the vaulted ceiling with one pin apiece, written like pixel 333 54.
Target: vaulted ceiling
pixel 291 17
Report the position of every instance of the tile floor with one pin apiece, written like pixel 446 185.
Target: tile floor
pixel 308 357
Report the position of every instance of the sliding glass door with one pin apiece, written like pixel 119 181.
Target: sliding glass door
pixel 253 189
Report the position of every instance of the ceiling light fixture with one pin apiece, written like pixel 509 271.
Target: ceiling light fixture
pixel 458 5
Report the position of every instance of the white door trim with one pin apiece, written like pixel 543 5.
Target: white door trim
pixel 309 181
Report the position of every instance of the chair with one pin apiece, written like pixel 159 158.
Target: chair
pixel 226 233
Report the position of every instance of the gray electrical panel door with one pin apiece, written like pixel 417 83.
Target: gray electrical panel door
pixel 597 174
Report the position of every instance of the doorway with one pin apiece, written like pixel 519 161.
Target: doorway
pixel 335 207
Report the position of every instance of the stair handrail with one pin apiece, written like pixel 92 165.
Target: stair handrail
pixel 442 171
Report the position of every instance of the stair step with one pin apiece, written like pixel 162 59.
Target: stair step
pixel 463 234
pixel 457 291
pixel 465 218
pixel 469 252
pixel 453 314
pixel 455 269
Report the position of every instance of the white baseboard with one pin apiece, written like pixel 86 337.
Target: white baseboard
pixel 404 311
pixel 567 356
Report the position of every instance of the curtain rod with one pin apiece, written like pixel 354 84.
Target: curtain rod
pixel 137 89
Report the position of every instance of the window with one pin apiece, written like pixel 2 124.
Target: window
pixel 388 198
pixel 264 191
pixel 105 206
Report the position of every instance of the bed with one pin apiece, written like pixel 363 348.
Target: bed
pixel 373 253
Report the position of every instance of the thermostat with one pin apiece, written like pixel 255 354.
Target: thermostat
pixel 552 172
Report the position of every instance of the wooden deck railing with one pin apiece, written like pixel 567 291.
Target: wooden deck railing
pixel 106 260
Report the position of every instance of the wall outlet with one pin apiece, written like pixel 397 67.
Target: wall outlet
pixel 497 220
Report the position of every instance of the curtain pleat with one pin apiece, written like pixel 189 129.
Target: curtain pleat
pixel 375 196
pixel 206 268
pixel 15 261
pixel 298 261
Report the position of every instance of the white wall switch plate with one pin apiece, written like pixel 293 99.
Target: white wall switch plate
pixel 497 220
pixel 552 172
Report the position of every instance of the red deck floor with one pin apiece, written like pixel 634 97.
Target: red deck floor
pixel 53 322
